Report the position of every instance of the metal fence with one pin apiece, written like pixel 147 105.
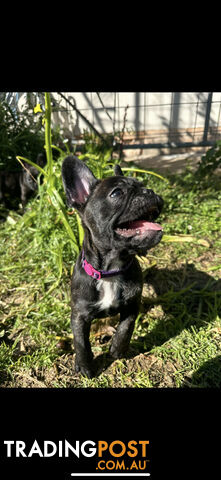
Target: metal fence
pixel 134 120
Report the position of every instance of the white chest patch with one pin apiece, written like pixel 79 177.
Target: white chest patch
pixel 108 291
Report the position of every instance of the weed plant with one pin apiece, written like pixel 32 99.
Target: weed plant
pixel 19 132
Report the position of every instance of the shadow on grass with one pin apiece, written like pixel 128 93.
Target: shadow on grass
pixel 188 297
pixel 208 375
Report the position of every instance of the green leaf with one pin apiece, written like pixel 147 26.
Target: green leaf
pixel 11 220
pixel 80 230
pixel 20 159
pixel 139 170
pixel 185 238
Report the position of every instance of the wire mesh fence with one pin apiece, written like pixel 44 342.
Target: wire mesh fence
pixel 133 119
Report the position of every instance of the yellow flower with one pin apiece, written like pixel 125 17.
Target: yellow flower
pixel 38 109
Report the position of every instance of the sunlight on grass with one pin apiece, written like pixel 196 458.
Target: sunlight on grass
pixel 177 337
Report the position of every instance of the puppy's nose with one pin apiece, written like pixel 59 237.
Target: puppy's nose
pixel 148 191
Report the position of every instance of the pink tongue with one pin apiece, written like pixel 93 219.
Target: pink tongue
pixel 143 225
pixel 137 228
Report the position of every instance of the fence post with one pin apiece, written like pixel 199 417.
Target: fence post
pixel 207 119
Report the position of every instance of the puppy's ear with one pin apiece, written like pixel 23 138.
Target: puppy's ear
pixel 118 171
pixel 78 181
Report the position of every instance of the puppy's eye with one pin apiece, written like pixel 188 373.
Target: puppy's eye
pixel 117 192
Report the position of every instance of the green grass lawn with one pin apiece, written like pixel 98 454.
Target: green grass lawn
pixel 177 338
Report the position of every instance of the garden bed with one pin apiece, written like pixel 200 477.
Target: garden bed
pixel 177 338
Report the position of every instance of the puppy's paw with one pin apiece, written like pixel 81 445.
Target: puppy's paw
pixel 115 352
pixel 84 369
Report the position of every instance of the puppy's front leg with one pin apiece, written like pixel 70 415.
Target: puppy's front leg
pixel 121 339
pixel 81 331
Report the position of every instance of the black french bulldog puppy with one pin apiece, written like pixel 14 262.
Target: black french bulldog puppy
pixel 20 184
pixel 28 178
pixel 118 215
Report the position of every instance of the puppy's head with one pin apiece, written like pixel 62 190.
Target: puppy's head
pixel 31 173
pixel 118 212
pixel 30 177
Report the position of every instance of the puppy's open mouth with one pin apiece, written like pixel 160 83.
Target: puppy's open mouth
pixel 137 227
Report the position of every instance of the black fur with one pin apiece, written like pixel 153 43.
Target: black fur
pixel 103 206
pixel 28 178
pixel 20 184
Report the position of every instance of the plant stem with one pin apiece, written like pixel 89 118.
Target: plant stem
pixel 54 195
pixel 48 136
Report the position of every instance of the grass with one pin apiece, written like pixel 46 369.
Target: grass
pixel 177 338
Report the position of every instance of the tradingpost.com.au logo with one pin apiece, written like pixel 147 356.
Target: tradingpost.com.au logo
pixel 113 458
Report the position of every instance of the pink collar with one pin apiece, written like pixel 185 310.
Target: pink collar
pixel 96 274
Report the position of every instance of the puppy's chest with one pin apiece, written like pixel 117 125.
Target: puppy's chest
pixel 109 295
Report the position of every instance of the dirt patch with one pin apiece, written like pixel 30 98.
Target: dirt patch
pixel 161 373
pixel 142 370
pixel 60 374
